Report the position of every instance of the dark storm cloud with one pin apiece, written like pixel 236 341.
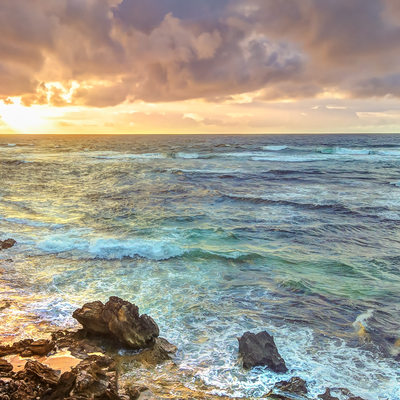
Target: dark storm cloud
pixel 167 50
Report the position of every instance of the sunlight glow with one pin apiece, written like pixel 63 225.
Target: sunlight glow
pixel 21 119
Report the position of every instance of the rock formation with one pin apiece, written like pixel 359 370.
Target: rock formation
pixel 120 320
pixel 260 350
pixel 6 244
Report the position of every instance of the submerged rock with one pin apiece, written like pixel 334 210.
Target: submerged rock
pixel 295 385
pixel 260 350
pixel 327 395
pixel 6 244
pixel 160 351
pixel 120 320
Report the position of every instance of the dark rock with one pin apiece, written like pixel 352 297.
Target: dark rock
pixel 63 388
pixel 355 398
pixel 327 395
pixel 28 348
pixel 90 316
pixel 160 351
pixel 294 385
pixel 29 384
pixel 6 244
pixel 41 372
pixel 134 391
pixel 118 319
pixel 260 350
pixel 5 366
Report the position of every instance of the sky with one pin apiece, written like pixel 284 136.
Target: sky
pixel 199 66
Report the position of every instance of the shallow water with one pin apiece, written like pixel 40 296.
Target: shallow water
pixel 214 236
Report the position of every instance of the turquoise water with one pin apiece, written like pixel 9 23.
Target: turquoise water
pixel 214 236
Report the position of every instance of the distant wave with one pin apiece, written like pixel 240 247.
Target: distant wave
pixel 122 156
pixel 116 249
pixel 275 148
pixel 337 207
pixel 395 183
pixel 187 155
pixel 111 249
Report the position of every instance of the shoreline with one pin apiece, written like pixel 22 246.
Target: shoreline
pixel 151 367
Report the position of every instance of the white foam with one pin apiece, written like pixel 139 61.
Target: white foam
pixel 291 158
pixel 392 153
pixel 352 152
pixel 109 248
pixel 60 243
pixel 187 155
pixel 122 156
pixel 275 148
pixel 395 183
pixel 117 249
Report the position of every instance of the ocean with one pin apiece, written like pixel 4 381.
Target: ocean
pixel 213 236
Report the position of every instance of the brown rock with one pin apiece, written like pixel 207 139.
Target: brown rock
pixel 120 320
pixel 160 351
pixel 63 388
pixel 295 385
pixel 260 350
pixel 41 347
pixel 5 366
pixel 327 395
pixel 41 372
pixel 90 316
pixel 28 348
pixel 6 244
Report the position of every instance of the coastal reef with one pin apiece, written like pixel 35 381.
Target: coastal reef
pixel 87 363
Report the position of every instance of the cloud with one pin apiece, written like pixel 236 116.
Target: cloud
pixel 105 52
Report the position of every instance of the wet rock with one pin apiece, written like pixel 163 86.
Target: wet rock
pixel 28 348
pixel 120 320
pixel 160 352
pixel 6 244
pixel 295 385
pixel 260 350
pixel 90 316
pixel 5 366
pixel 147 395
pixel 327 395
pixel 29 384
pixel 63 388
pixel 133 391
pixel 355 398
pixel 77 343
pixel 42 373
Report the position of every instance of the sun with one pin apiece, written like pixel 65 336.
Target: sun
pixel 23 119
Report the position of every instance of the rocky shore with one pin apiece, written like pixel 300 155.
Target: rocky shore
pixel 91 363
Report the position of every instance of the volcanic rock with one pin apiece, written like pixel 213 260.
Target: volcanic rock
pixel 260 350
pixel 120 320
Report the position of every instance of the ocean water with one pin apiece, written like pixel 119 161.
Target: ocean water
pixel 214 236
